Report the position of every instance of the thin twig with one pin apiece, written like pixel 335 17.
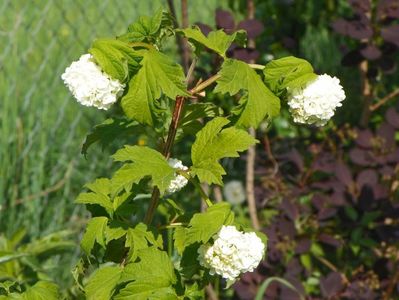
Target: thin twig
pixel 392 283
pixel 203 192
pixel 186 49
pixel 201 86
pixel 250 182
pixel 251 155
pixel 182 44
pixel 172 225
pixel 205 188
pixel 270 155
pixel 211 292
pixel 331 267
pixel 367 87
pixel 170 140
pixel 384 100
pixel 191 70
pixel 166 152
pixel 367 94
pixel 217 193
pixel 256 66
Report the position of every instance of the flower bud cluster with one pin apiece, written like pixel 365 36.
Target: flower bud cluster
pixel 316 103
pixel 90 85
pixel 179 181
pixel 232 253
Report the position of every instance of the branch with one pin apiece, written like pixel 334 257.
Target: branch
pixel 166 152
pixel 367 93
pixel 217 193
pixel 250 182
pixel 270 155
pixel 384 100
pixel 200 87
pixel 256 66
pixel 201 190
pixel 392 283
pixel 186 49
pixel 182 44
pixel 211 292
pixel 171 138
pixel 251 156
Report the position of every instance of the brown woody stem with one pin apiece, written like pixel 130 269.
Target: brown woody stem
pixel 251 154
pixel 200 87
pixel 171 138
pixel 367 93
pixel 166 152
pixel 384 100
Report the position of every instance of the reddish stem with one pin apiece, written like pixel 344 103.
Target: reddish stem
pixel 167 149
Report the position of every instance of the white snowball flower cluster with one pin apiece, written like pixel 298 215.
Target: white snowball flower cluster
pixel 180 181
pixel 316 103
pixel 232 253
pixel 90 85
pixel 234 192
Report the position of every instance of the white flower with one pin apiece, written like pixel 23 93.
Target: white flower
pixel 180 181
pixel 232 253
pixel 316 103
pixel 90 85
pixel 234 192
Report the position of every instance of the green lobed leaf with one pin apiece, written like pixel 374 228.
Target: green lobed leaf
pixel 148 29
pixel 98 199
pixel 193 292
pixel 190 122
pixel 100 195
pixel 158 76
pixel 78 273
pixel 100 186
pixel 288 72
pixel 258 102
pixel 6 285
pixel 213 143
pixel 115 58
pixel 189 264
pixel 106 132
pixel 170 209
pixel 102 283
pixel 151 277
pixel 145 162
pixel 115 230
pixel 301 81
pixel 139 238
pixel 146 292
pixel 179 237
pixel 95 232
pixel 217 41
pixel 122 204
pixel 204 225
pixel 42 290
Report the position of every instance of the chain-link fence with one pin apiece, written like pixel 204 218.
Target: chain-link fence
pixel 41 127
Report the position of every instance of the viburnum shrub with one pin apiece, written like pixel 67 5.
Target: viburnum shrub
pixel 147 94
